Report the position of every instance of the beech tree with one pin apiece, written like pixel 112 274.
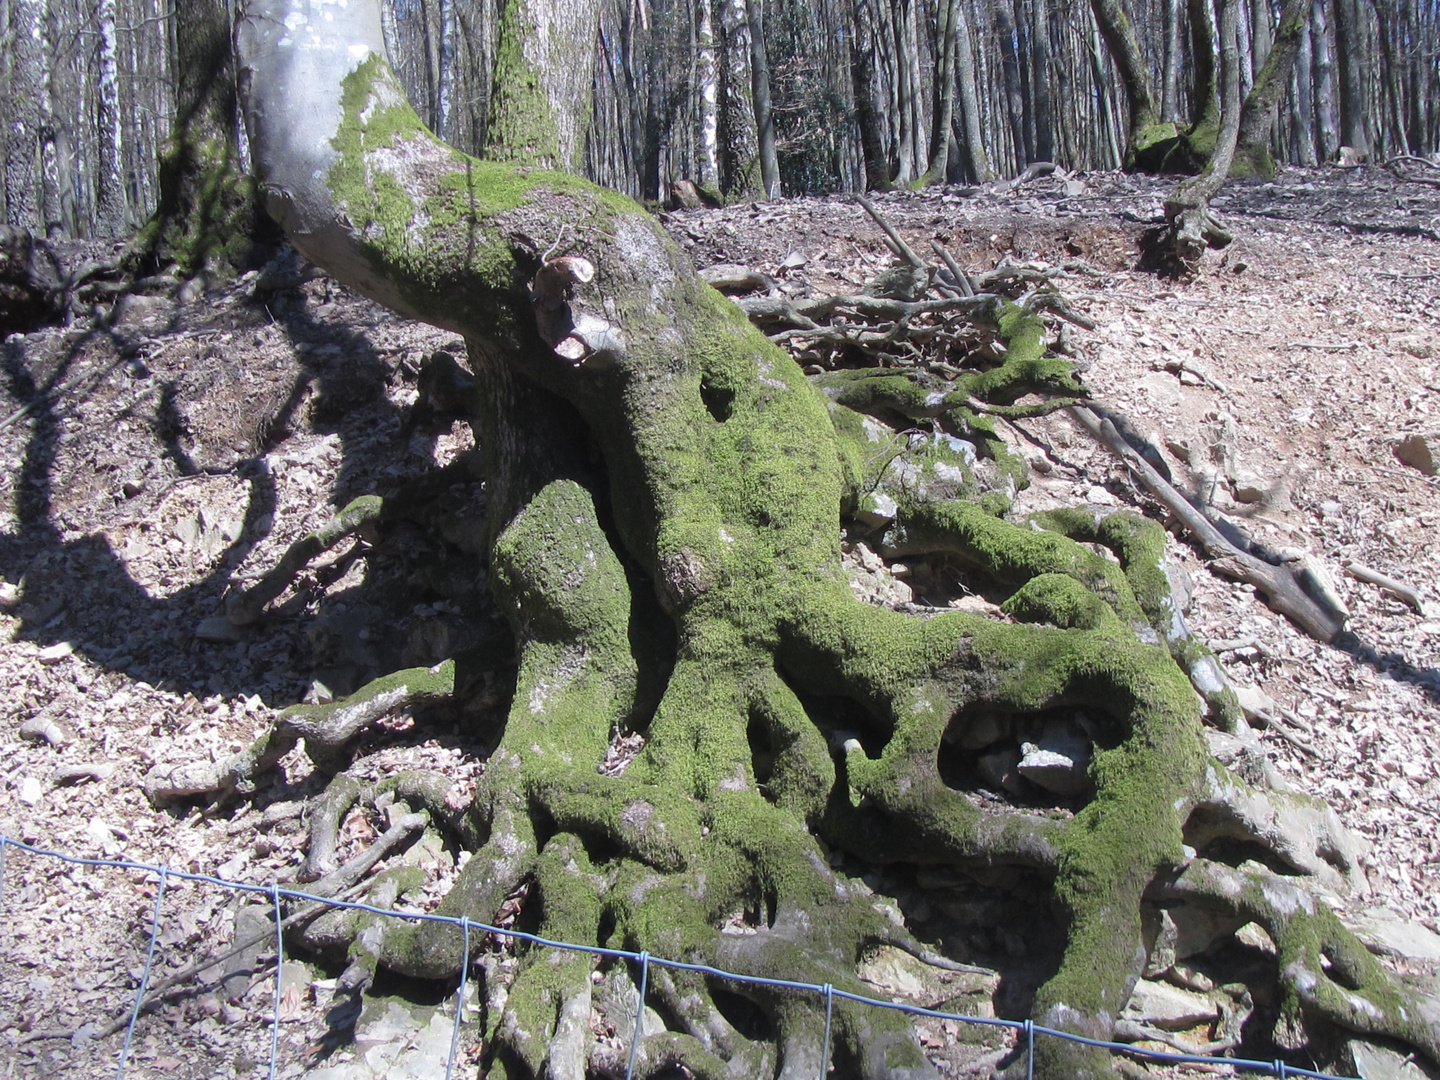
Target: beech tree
pixel 665 490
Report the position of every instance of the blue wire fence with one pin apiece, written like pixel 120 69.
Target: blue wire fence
pixel 1025 1029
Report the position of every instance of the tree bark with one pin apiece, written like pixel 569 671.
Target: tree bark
pixel 111 206
pixel 1353 53
pixel 544 79
pixel 1041 75
pixel 1118 31
pixel 1257 119
pixel 1187 209
pixel 1013 101
pixel 968 88
pixel 760 95
pixel 22 127
pixel 739 149
pixel 1326 132
pixel 864 68
pixel 943 109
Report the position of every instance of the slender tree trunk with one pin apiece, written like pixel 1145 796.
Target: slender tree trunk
pixel 111 212
pixel 865 74
pixel 968 89
pixel 1116 28
pixel 1303 113
pixel 1040 81
pixel 943 111
pixel 709 171
pixel 1014 103
pixel 1257 119
pixel 1170 65
pixel 760 94
pixel 1326 131
pixel 739 149
pixel 1352 54
pixel 22 127
pixel 1205 99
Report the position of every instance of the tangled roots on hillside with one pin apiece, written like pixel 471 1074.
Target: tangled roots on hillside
pixel 717 782
pixel 714 751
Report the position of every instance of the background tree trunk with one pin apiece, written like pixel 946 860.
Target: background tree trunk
pixel 1257 119
pixel 23 84
pixel 760 94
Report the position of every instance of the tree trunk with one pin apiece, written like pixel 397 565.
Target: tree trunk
pixel 22 127
pixel 739 150
pixel 709 732
pixel 943 111
pixel 1040 81
pixel 1303 142
pixel 1353 54
pixel 1205 98
pixel 760 94
pixel 1257 119
pixel 111 207
pixel 864 68
pixel 709 121
pixel 1326 131
pixel 1014 104
pixel 1188 208
pixel 1170 66
pixel 973 131
pixel 1145 130
pixel 544 79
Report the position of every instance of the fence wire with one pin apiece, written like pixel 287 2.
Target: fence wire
pixel 1026 1030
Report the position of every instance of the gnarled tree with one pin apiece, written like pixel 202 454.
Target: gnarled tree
pixel 665 490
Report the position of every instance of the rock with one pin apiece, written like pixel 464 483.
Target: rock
pixel 73 774
pixel 1057 761
pixel 31 790
pixel 1419 345
pixel 795 260
pixel 1257 937
pixel 1383 931
pixel 1162 388
pixel 1169 1008
pixel 1418 451
pixel 44 726
pixel 1197 929
pixel 219 629
pixel 876 509
pixel 1255 703
pixel 134 311
pixel 997 768
pixel 734 279
pixel 1381 1063
pixel 1072 188
pixel 1247 487
pixel 53 654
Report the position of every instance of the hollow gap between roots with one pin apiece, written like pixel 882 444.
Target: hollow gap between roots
pixel 741 1013
pixel 836 715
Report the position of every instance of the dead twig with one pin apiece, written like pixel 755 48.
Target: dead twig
pixel 899 246
pixel 1389 584
pixel 1285 594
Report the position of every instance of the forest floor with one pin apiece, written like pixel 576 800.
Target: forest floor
pixel 152 457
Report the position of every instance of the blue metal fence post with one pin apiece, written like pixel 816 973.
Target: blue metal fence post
pixel 459 994
pixel 4 843
pixel 279 978
pixel 639 1014
pixel 144 975
pixel 1029 1050
pixel 825 1049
